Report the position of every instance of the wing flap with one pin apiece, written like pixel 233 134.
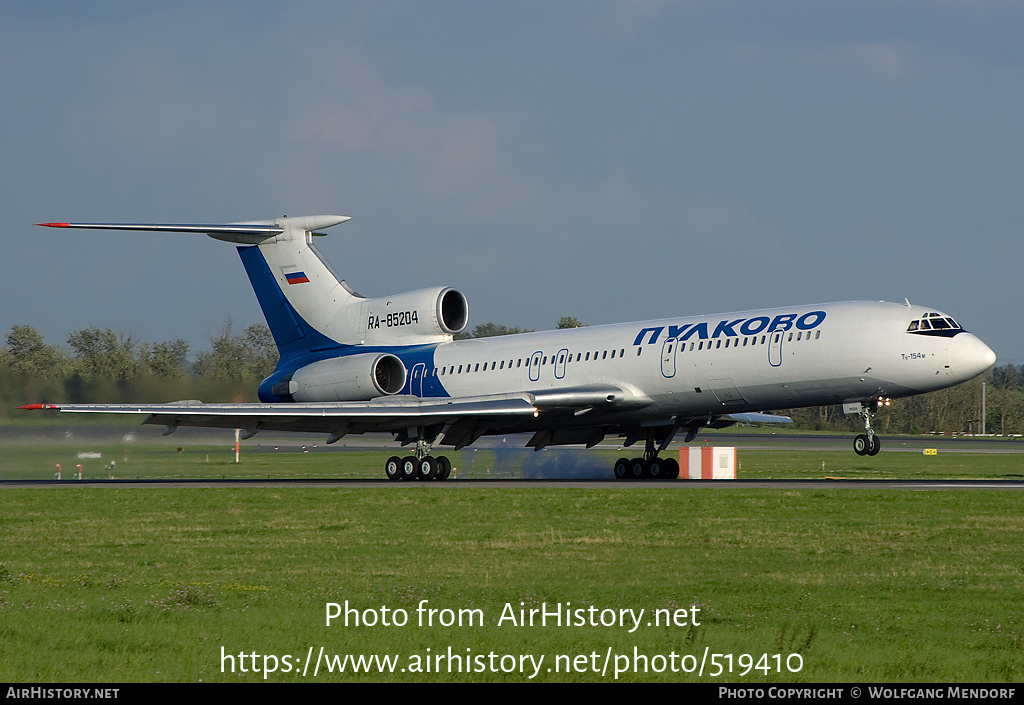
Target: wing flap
pixel 758 417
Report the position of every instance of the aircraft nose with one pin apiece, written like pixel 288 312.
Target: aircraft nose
pixel 969 356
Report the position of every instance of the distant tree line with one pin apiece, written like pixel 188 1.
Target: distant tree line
pixel 99 365
pixel 490 330
pixel 953 410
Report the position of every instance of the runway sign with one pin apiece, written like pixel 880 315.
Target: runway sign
pixel 707 463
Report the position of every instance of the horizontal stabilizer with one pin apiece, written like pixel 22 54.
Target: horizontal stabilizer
pixel 228 228
pixel 251 232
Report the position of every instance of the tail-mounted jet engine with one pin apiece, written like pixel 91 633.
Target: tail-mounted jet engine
pixel 413 318
pixel 424 316
pixel 351 378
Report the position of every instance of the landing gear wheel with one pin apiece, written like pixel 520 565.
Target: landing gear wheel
pixel 861 444
pixel 637 469
pixel 876 445
pixel 671 469
pixel 409 467
pixel 444 468
pixel 426 468
pixel 393 468
pixel 621 468
pixel 656 469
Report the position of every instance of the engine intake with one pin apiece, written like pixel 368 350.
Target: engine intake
pixel 452 311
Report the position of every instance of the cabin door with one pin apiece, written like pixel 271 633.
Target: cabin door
pixel 417 379
pixel 668 357
pixel 775 348
pixel 535 366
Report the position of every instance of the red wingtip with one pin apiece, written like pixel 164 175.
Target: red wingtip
pixel 55 225
pixel 37 406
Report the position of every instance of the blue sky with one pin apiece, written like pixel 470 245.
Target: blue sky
pixel 608 159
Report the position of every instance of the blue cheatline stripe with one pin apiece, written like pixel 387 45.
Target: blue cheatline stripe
pixel 295 338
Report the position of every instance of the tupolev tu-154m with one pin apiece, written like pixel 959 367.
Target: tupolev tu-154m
pixel 351 365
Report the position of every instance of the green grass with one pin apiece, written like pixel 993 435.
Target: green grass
pixel 814 464
pixel 164 459
pixel 148 584
pixel 123 584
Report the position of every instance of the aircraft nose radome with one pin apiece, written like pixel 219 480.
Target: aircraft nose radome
pixel 969 356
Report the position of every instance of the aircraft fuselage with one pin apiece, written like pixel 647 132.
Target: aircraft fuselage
pixel 692 366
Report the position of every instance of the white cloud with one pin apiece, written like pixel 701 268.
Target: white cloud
pixel 887 60
pixel 441 156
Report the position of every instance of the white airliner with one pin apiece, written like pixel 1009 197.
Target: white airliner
pixel 350 365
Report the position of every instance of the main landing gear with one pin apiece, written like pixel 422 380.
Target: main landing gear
pixel 421 466
pixel 646 469
pixel 650 466
pixel 413 468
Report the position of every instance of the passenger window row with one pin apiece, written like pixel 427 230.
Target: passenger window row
pixel 560 358
pixel 748 341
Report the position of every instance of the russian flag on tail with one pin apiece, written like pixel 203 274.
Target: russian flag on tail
pixel 296 277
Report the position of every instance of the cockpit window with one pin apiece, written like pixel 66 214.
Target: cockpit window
pixel 935 324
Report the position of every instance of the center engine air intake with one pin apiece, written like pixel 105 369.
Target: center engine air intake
pixel 415 317
pixel 452 311
pixel 351 378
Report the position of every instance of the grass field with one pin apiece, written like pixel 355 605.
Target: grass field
pixel 37 452
pixel 123 584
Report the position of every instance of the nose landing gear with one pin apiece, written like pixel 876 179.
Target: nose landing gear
pixel 867 443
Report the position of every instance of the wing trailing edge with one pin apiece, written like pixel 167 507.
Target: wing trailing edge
pixel 384 415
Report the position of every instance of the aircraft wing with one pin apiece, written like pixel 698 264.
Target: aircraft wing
pixel 388 414
pixel 465 418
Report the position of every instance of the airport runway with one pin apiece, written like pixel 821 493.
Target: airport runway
pixel 913 485
pixel 745 441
